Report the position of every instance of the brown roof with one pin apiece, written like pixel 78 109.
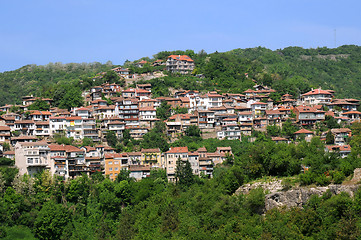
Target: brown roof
pixel 150 150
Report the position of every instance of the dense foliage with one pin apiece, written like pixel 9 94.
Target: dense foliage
pixel 292 70
pixel 194 208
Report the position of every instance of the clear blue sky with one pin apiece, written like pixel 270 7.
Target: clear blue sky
pixel 43 31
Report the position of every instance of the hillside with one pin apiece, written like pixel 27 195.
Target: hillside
pixel 37 80
pixel 291 70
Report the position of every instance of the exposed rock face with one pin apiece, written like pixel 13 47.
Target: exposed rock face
pixel 270 187
pixel 299 197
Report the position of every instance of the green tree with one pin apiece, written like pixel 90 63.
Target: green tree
pixel 111 138
pixel 40 105
pixel 183 174
pixel 51 221
pixel 193 131
pixel 273 130
pixel 87 142
pixel 68 96
pixel 164 111
pixel 111 77
pixel 330 139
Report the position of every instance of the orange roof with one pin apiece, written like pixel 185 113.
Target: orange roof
pixel 303 131
pixel 342 148
pixel 259 103
pixel 178 150
pixel 74 118
pixel 181 58
pixel 316 92
pixel 351 112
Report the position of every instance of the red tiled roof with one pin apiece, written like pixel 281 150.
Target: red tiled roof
pixel 74 118
pixel 316 92
pixel 178 150
pixel 181 58
pixel 351 112
pixel 303 131
pixel 259 103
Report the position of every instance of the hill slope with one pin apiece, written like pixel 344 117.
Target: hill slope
pixel 291 70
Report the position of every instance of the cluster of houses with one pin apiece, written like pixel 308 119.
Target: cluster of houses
pixel 222 116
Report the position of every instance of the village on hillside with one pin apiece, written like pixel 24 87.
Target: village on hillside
pixel 28 137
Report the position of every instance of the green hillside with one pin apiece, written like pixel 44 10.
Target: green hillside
pixel 38 80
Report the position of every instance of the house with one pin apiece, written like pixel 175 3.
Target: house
pixel 230 132
pixel 258 109
pixel 317 97
pixel 205 162
pixel 306 115
pixel 114 163
pixel 152 157
pixel 180 64
pixel 171 157
pixel 341 135
pixel 307 134
pixel 74 127
pixel 4 134
pixel 343 150
pixel 138 172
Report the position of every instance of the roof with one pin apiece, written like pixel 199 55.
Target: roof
pixel 351 112
pixel 150 150
pixel 279 139
pixel 4 128
pixel 178 150
pixel 304 131
pixel 67 148
pixel 73 118
pixel 24 138
pixel 341 148
pixel 259 103
pixel 316 92
pixel 181 58
pixel 341 130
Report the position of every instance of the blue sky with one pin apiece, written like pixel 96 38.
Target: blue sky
pixel 43 31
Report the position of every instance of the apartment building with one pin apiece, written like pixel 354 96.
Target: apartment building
pixel 32 157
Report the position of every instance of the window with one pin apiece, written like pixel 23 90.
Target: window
pixel 110 163
pixel 30 160
pixel 116 162
pixel 110 169
pixel 116 169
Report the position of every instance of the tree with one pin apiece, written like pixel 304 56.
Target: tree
pixel 6 146
pixel 330 139
pixel 164 111
pixel 111 77
pixel 288 128
pixel 273 130
pixel 111 138
pixel 87 142
pixel 40 105
pixel 184 174
pixel 68 96
pixel 51 221
pixel 193 131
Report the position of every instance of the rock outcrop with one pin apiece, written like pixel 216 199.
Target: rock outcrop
pixel 299 197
